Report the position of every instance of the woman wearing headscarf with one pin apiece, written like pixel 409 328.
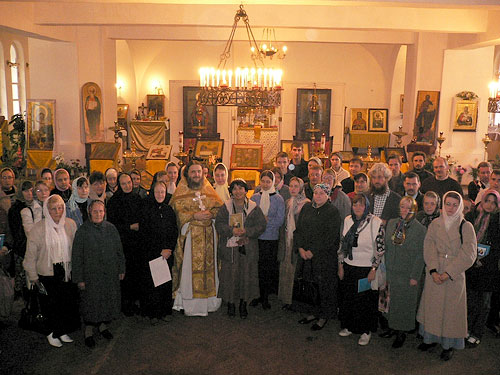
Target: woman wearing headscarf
pixel 483 278
pixel 24 199
pixel 238 248
pixel 287 254
pixel 158 233
pixel 160 176
pixel 76 206
pixel 62 183
pixel 404 261
pixel 123 211
pixel 431 211
pixel 48 262
pixel 317 239
pixel 450 248
pixel 46 175
pixel 273 208
pixel 221 187
pixel 360 254
pixel 98 267
pixel 33 214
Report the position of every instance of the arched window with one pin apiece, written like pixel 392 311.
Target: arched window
pixel 15 81
pixel 3 87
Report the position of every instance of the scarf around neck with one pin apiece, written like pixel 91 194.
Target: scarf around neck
pixel 75 197
pixel 483 219
pixel 351 237
pixel 265 200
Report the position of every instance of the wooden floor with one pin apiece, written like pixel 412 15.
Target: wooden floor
pixel 268 342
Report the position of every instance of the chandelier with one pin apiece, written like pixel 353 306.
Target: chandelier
pixel 250 87
pixel 267 49
pixel 494 106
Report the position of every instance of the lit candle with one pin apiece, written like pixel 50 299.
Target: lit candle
pixel 246 76
pixel 230 73
pixel 213 77
pixel 224 82
pixel 265 78
pixel 201 77
pixel 252 77
pixel 181 138
pixel 323 141
pixel 492 87
pixel 218 77
pixel 259 75
pixel 237 78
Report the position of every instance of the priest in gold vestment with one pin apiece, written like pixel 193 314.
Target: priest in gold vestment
pixel 195 274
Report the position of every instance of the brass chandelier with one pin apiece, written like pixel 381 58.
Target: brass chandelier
pixel 250 87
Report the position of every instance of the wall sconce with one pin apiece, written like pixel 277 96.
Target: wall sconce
pixel 156 84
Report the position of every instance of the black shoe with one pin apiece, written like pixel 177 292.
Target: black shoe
pixel 243 310
pixel 317 326
pixel 255 302
pixel 424 347
pixel 231 309
pixel 106 334
pixel 400 340
pixel 446 354
pixel 90 342
pixel 307 320
pixel 387 334
pixel 266 305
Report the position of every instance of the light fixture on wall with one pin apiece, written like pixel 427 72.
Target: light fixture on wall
pixel 269 46
pixel 250 87
pixel 494 106
pixel 156 84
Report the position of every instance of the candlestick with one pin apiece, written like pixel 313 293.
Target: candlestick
pixel 323 141
pixel 181 137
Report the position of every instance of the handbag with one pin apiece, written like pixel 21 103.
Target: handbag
pixel 305 289
pixel 32 317
pixel 6 293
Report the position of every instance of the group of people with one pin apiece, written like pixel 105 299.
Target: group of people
pixel 380 248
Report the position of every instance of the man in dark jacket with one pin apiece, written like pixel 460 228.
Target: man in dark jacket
pixel 384 203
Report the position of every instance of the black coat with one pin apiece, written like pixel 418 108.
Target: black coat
pixel 391 207
pixel 17 229
pixel 487 276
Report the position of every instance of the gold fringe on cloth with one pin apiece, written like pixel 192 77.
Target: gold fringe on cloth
pixel 39 159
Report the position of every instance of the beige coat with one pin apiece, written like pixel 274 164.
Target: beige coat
pixel 36 260
pixel 443 308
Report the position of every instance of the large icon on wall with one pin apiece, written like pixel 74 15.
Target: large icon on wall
pixel 41 124
pixel 426 116
pixel 309 111
pixel 92 112
pixel 198 115
pixel 464 114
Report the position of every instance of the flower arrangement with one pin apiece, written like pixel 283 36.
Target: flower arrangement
pixel 466 95
pixel 74 168
pixel 474 172
pixel 14 148
pixel 459 172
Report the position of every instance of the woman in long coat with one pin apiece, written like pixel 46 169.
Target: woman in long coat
pixel 238 249
pixel 404 260
pixel 98 267
pixel 158 231
pixel 450 248
pixel 483 278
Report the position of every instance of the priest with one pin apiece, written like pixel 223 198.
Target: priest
pixel 194 274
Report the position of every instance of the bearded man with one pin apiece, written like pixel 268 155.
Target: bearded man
pixel 384 203
pixel 194 274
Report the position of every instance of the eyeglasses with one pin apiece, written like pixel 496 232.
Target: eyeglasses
pixel 7 177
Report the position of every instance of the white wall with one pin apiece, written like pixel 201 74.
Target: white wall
pixel 465 70
pixel 54 75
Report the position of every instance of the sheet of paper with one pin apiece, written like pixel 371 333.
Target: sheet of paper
pixel 159 271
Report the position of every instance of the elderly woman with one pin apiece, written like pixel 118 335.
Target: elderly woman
pixel 431 211
pixel 76 206
pixel 404 260
pixel 317 238
pixel 287 255
pixel 483 278
pixel 220 177
pixel 158 234
pixel 450 248
pixel 62 182
pixel 98 267
pixel 48 262
pixel 360 254
pixel 273 208
pixel 239 224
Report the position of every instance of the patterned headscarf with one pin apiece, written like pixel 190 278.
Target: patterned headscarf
pixel 399 235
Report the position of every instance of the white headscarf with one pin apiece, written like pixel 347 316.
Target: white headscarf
pixel 222 190
pixel 265 201
pixel 56 240
pixel 457 216
pixel 75 198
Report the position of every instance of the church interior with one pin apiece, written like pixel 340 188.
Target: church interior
pixel 142 61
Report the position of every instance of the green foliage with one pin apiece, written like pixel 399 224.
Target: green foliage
pixel 14 150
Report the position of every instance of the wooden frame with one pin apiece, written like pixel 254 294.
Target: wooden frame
pixel 207 115
pixel 246 156
pixel 304 116
pixel 159 152
pixel 426 116
pixel 286 146
pixel 156 103
pixel 464 115
pixel 122 111
pixel 251 177
pixel 206 147
pixel 92 112
pixel 359 120
pixel 395 150
pixel 41 121
pixel 377 120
